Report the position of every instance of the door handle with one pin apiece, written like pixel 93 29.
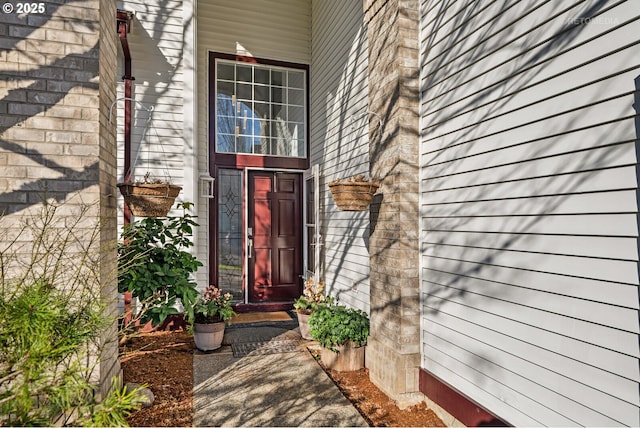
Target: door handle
pixel 250 249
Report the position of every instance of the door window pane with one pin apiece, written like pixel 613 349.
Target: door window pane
pixel 230 232
pixel 277 95
pixel 244 92
pixel 244 73
pixel 311 236
pixel 277 77
pixel 296 114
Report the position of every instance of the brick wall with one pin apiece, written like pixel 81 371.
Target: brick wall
pixel 108 58
pixel 393 353
pixel 57 81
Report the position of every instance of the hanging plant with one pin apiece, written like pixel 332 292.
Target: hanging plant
pixel 149 198
pixel 354 193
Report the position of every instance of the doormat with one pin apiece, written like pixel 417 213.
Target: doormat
pixel 251 317
pixel 265 348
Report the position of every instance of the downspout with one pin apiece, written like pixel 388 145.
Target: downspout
pixel 123 19
pixel 124 26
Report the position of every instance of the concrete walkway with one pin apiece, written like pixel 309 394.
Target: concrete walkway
pixel 272 381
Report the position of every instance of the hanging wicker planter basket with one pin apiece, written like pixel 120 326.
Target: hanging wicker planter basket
pixel 149 199
pixel 353 194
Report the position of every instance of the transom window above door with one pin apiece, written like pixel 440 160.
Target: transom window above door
pixel 260 109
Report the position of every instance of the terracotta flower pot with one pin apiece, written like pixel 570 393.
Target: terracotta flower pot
pixel 303 322
pixel 208 336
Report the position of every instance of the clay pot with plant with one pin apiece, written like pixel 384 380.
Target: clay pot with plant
pixel 208 317
pixel 312 297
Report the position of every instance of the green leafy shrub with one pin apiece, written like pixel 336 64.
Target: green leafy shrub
pixel 54 322
pixel 336 325
pixel 155 266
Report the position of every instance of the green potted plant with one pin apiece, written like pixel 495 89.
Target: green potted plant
pixel 154 266
pixel 208 317
pixel 342 332
pixel 312 297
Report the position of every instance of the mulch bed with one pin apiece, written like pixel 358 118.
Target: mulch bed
pixel 164 361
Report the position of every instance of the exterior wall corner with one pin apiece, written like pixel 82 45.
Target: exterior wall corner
pixel 393 354
pixel 58 144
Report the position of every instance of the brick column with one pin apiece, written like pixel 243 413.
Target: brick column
pixel 57 82
pixel 393 351
pixel 107 158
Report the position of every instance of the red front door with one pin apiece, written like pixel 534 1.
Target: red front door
pixel 274 236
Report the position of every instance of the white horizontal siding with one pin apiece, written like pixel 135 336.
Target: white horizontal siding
pixel 550 340
pixel 155 43
pixel 529 244
pixel 339 141
pixel 601 179
pixel 491 297
pixel 515 374
pixel 277 30
pixel 574 286
pixel 607 248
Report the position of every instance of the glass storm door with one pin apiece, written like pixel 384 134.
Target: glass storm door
pixel 312 236
pixel 274 236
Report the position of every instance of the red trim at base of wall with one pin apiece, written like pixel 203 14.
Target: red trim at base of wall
pixel 457 405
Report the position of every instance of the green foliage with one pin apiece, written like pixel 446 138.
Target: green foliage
pixel 112 411
pixel 312 297
pixel 53 318
pixel 305 306
pixel 154 266
pixel 336 325
pixel 41 337
pixel 302 305
pixel 211 306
